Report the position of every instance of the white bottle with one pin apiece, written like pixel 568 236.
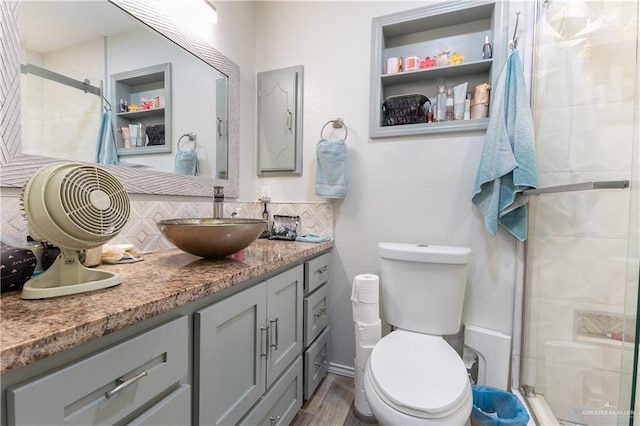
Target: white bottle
pixel 441 103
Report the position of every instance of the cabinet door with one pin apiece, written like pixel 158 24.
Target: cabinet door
pixel 280 121
pixel 229 367
pixel 281 403
pixel 284 305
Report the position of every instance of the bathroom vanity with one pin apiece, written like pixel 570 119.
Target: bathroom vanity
pixel 182 340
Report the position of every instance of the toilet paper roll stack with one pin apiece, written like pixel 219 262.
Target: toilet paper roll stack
pixel 365 299
pixel 368 330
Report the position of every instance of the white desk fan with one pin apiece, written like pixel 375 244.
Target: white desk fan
pixel 76 207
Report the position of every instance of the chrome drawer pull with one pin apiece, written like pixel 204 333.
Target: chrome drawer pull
pixel 264 342
pixel 274 420
pixel 323 358
pixel 275 332
pixel 323 312
pixel 122 384
pixel 321 270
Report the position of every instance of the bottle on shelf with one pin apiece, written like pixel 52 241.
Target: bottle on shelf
pixel 487 49
pixel 449 113
pixel 441 103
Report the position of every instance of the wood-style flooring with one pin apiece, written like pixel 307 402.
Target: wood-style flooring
pixel 330 405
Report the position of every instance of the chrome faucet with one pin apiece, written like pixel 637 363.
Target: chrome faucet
pixel 218 202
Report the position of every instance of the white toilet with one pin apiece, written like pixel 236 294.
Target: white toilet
pixel 413 376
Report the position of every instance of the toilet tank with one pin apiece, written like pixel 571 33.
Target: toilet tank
pixel 423 286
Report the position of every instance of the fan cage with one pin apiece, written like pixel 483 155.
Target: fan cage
pixel 78 187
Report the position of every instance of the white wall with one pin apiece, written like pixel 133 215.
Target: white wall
pixel 415 189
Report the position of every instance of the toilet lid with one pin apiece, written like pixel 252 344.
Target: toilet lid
pixel 418 374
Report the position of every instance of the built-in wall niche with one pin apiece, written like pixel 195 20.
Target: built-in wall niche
pixel 141 110
pixel 460 26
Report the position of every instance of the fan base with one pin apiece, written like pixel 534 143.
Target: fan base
pixel 65 278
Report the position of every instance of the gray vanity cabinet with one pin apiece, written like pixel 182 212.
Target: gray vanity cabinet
pixel 142 377
pixel 244 343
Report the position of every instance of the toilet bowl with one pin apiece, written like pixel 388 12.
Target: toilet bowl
pixel 417 379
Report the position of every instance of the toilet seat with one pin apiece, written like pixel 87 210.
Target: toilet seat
pixel 419 375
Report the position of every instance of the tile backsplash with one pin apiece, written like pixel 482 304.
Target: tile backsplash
pixel 141 230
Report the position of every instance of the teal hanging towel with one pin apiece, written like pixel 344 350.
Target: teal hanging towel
pixel 508 163
pixel 331 169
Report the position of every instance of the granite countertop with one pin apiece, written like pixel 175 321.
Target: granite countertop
pixel 32 330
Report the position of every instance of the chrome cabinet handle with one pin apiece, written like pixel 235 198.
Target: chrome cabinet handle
pixel 323 312
pixel 219 126
pixel 323 358
pixel 288 120
pixel 321 270
pixel 274 420
pixel 275 332
pixel 122 384
pixel 264 342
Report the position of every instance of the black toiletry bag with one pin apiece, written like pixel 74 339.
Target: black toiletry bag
pixel 155 134
pixel 17 266
pixel 284 227
pixel 404 109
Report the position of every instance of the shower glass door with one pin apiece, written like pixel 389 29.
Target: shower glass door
pixel 581 275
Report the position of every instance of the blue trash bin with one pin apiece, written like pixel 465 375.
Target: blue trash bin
pixel 496 407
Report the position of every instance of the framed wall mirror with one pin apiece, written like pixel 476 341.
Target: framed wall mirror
pixel 197 69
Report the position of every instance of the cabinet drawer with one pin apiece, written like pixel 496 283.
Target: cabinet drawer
pixel 316 363
pixel 315 314
pixel 76 394
pixel 281 403
pixel 316 273
pixel 175 409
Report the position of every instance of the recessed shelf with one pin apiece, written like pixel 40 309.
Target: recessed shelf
pixel 135 87
pixel 448 71
pixel 142 113
pixel 459 26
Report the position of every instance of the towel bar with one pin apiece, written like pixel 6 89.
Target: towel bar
pixel 584 186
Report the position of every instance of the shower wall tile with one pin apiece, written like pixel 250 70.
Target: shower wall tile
pixel 553 138
pixel 553 324
pixel 576 45
pixel 594 137
pixel 141 229
pixel 548 320
pixel 579 270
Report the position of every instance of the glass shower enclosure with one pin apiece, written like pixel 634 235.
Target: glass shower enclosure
pixel 582 257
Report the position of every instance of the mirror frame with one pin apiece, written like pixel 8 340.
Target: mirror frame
pixel 17 168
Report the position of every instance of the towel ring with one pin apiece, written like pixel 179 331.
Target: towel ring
pixel 191 139
pixel 338 123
